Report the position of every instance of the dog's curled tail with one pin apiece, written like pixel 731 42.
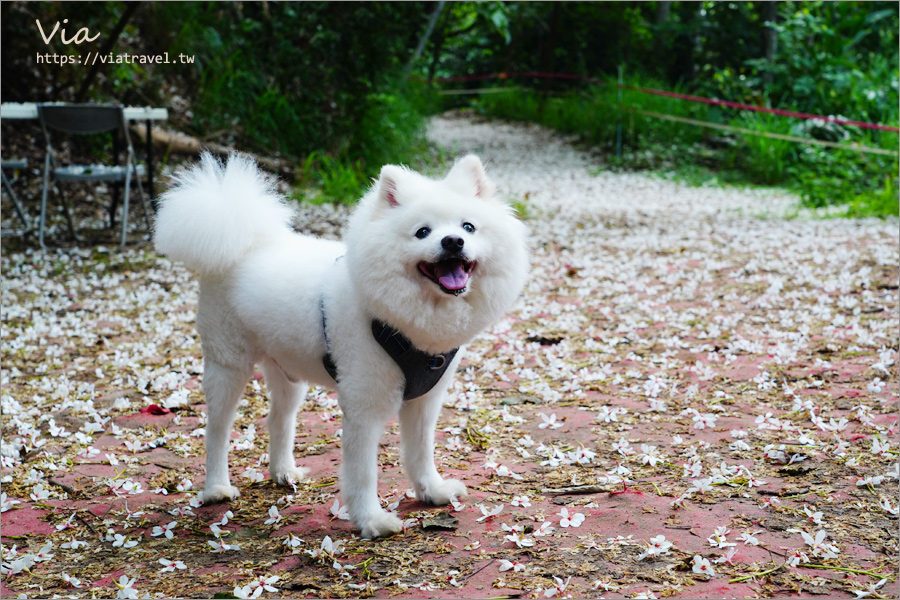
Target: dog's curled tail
pixel 215 213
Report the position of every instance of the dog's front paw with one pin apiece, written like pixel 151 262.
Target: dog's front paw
pixel 380 525
pixel 289 475
pixel 219 493
pixel 442 492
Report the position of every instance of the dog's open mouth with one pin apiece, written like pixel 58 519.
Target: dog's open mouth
pixel 451 275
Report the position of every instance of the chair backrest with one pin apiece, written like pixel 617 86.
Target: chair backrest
pixel 81 119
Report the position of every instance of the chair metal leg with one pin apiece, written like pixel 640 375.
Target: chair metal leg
pixel 125 206
pixel 137 179
pixel 68 214
pixel 116 189
pixel 44 202
pixel 20 210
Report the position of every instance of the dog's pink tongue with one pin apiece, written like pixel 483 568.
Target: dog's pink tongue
pixel 452 275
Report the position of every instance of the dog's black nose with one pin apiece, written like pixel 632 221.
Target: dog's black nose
pixel 452 243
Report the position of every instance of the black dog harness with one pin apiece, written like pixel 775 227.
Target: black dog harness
pixel 422 371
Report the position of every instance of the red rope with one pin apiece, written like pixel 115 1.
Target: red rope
pixel 753 107
pixel 774 111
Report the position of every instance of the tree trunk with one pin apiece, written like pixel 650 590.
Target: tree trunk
pixel 662 12
pixel 769 13
pixel 130 9
pixel 424 39
pixel 547 56
pixel 661 33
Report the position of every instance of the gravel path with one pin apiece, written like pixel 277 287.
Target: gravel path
pixel 695 397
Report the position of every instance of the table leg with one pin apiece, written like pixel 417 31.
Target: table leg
pixel 150 167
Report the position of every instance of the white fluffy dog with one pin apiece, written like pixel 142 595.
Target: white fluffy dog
pixel 426 266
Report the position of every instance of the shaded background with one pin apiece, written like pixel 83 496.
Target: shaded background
pixel 337 89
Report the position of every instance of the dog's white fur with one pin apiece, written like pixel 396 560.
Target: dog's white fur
pixel 261 286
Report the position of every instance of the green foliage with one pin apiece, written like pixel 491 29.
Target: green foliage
pixel 833 58
pixel 316 79
pixel 829 58
pixel 390 129
pixel 331 180
pixel 765 159
pixel 292 78
pixel 595 112
pixel 864 184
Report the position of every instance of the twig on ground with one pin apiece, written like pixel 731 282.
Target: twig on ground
pixel 578 489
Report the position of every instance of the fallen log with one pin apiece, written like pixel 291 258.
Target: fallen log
pixel 182 143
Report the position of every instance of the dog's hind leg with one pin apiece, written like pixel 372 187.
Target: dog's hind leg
pixel 285 397
pixel 418 419
pixel 223 387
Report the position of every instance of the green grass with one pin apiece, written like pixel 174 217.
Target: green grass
pixel 326 180
pixel 694 175
pixel 765 159
pixel 595 112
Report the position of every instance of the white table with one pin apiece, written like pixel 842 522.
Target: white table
pixel 28 110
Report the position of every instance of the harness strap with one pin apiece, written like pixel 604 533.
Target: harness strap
pixel 422 371
pixel 327 361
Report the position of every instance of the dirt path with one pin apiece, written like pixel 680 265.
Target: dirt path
pixel 687 395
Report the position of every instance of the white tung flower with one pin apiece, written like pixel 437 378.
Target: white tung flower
pixel 702 566
pixel 165 530
pixel 274 516
pixel 818 545
pixel 549 422
pixel 506 565
pixel 219 545
pixel 749 538
pixel 171 565
pixel 7 503
pixel 650 455
pixel 338 511
pixel 120 541
pixel 521 501
pixel 566 520
pixel 488 513
pixel 39 493
pixel 247 592
pixel 125 588
pixel 266 583
pixel 656 546
pixel 718 539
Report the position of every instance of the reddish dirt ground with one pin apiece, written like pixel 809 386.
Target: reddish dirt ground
pixel 709 404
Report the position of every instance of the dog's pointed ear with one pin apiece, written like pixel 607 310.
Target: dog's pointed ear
pixel 387 184
pixel 468 173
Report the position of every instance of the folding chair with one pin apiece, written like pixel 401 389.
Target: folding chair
pixel 15 165
pixel 89 119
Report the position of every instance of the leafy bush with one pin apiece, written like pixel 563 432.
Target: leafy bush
pixel 864 184
pixel 292 78
pixel 595 112
pixel 765 159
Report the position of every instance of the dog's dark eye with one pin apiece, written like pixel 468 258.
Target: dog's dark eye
pixel 468 227
pixel 423 232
